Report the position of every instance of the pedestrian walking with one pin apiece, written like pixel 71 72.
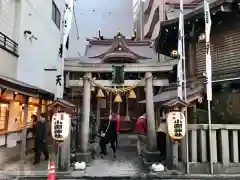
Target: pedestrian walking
pixel 108 131
pixel 32 129
pixel 116 118
pixel 161 137
pixel 40 142
pixel 141 130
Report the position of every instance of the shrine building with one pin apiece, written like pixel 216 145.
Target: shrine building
pixel 114 75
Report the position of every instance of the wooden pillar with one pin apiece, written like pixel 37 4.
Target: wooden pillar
pixel 24 130
pixel 39 109
pixel 98 114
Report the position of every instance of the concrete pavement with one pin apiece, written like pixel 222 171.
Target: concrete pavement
pixel 126 163
pixel 126 166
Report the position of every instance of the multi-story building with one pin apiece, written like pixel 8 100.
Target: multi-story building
pixel 109 17
pixel 30 33
pixel 155 11
pixel 138 18
pixel 30 37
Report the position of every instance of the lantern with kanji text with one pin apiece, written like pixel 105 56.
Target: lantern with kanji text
pixel 60 126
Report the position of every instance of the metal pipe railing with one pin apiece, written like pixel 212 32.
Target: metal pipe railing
pixel 8 44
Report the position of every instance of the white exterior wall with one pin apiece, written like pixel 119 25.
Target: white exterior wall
pixel 8 20
pixel 36 55
pixel 8 26
pixel 8 64
pixel 109 16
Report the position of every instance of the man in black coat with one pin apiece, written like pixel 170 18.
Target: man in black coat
pixel 40 143
pixel 108 129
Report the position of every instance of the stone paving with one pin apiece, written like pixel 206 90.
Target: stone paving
pixel 126 166
pixel 127 163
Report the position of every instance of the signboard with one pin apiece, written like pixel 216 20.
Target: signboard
pixel 118 74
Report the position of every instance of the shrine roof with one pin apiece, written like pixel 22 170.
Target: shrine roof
pixel 193 93
pixel 118 49
pixel 108 42
pixel 62 102
pixel 175 102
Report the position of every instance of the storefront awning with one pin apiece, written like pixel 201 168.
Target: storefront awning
pixel 24 88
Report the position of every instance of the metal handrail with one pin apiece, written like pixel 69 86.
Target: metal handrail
pixel 8 44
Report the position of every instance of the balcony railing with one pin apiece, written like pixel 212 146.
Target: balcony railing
pixel 8 45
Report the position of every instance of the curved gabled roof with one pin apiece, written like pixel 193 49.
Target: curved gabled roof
pixel 118 49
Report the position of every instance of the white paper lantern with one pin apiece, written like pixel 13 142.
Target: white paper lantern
pixel 61 122
pixel 176 125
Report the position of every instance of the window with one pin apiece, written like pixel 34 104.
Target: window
pixel 56 15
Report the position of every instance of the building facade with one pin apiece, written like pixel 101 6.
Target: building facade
pixel 29 43
pixel 109 17
pixel 154 12
pixel 31 31
pixel 224 50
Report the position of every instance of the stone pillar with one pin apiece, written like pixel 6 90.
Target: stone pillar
pixel 151 132
pixel 64 152
pixel 172 153
pixel 83 155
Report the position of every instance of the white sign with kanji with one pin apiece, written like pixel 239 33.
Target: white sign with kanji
pixel 60 126
pixel 176 125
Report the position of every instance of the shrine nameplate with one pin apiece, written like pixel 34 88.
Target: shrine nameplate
pixel 176 125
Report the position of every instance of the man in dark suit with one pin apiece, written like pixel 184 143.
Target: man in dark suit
pixel 40 139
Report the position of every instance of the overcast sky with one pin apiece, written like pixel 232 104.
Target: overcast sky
pixel 108 15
